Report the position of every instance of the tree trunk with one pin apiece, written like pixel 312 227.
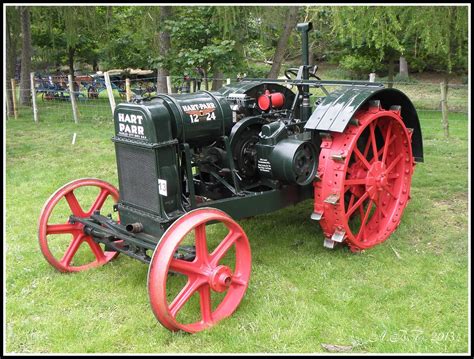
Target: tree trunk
pixel 206 81
pixel 25 93
pixel 10 65
pixel 444 105
pixel 164 48
pixel 217 78
pixel 290 23
pixel 311 55
pixel 95 65
pixel 70 60
pixel 391 70
pixel 403 68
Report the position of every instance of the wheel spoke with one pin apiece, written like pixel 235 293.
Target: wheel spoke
pixel 98 252
pixel 394 163
pixel 184 267
pixel 361 211
pixel 366 149
pixel 374 142
pixel 357 204
pixel 351 201
pixel 355 181
pixel 380 153
pixel 71 250
pixel 183 296
pixel 60 228
pixel 387 140
pixel 202 254
pixel 378 204
pixel 364 220
pixel 74 204
pixel 223 247
pixel 99 201
pixel 361 158
pixel 206 309
pixel 237 280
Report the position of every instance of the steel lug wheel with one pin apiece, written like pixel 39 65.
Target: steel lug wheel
pixel 365 181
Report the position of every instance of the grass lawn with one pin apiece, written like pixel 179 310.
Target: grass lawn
pixel 409 294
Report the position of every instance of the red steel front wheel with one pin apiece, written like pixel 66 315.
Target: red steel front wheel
pixel 212 284
pixel 61 241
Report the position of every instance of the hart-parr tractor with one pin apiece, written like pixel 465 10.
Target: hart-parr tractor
pixel 190 165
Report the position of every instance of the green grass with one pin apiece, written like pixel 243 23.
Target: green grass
pixel 409 294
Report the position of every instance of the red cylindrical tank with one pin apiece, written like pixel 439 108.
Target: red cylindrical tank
pixel 268 99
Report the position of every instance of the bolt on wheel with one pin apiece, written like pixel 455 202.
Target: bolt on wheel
pixel 195 295
pixel 366 177
pixel 64 244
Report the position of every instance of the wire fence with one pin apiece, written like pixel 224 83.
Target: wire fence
pixel 53 100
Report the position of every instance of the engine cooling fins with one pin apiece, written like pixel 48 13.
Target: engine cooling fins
pixel 364 178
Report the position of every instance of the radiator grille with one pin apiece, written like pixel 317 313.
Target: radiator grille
pixel 137 176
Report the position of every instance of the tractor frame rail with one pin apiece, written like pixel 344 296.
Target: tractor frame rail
pixel 116 237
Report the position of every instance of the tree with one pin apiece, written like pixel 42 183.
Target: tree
pixel 447 42
pixel 197 40
pixel 290 23
pixel 12 39
pixel 26 52
pixel 382 28
pixel 77 21
pixel 164 42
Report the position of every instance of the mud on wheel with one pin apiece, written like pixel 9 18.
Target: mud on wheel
pixel 365 177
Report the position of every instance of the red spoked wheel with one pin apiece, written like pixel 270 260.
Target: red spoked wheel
pixel 60 242
pixel 365 176
pixel 212 284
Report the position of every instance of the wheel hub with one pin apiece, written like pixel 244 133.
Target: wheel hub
pixel 221 278
pixel 377 178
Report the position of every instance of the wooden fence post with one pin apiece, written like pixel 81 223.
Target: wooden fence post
pixel 444 108
pixel 72 96
pixel 7 99
pixel 15 108
pixel 168 84
pixel 127 90
pixel 33 97
pixel 110 92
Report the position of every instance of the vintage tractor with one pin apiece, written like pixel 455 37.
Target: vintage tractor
pixel 189 165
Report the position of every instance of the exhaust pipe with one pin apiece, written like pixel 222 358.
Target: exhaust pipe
pixel 134 227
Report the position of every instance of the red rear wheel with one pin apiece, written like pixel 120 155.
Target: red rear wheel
pixel 208 275
pixel 50 232
pixel 365 179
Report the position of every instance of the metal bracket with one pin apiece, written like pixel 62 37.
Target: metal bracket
pixel 338 236
pixel 315 216
pixel 332 199
pixel 329 243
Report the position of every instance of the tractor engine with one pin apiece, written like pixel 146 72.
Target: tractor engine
pixel 246 137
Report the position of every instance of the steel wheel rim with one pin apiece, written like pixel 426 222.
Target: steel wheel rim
pixel 162 262
pixel 44 228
